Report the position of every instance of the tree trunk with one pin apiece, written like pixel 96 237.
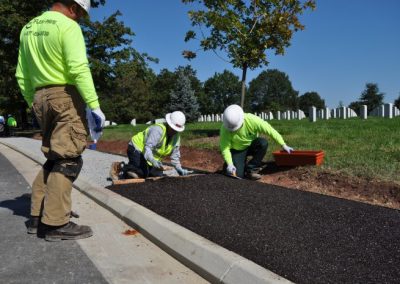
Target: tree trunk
pixel 244 71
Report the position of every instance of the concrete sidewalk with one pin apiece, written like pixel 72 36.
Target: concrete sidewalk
pixel 107 257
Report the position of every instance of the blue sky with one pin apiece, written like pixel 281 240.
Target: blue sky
pixel 346 44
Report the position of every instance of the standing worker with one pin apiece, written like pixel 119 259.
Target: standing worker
pixel 55 79
pixel 239 138
pixel 11 125
pixel 147 148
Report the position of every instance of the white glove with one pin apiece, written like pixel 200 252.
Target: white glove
pixel 183 172
pixel 96 120
pixel 157 164
pixel 231 170
pixel 287 148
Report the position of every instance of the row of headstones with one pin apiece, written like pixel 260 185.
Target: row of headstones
pixel 108 123
pixel 386 110
pixel 327 113
pixel 299 114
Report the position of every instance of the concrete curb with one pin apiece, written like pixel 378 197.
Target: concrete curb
pixel 211 261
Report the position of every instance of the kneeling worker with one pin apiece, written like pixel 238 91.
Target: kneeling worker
pixel 239 139
pixel 147 148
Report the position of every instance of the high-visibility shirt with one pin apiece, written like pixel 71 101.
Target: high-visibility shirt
pixel 52 51
pixel 11 122
pixel 240 139
pixel 161 148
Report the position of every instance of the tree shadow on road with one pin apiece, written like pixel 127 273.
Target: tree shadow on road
pixel 20 205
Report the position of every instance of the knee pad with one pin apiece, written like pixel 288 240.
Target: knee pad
pixel 70 167
pixel 48 166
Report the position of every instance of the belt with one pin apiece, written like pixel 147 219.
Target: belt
pixel 49 86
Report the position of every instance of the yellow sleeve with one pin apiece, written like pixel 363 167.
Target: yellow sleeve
pixel 23 80
pixel 225 146
pixel 266 128
pixel 74 50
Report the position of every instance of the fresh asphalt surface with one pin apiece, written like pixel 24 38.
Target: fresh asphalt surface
pixel 26 258
pixel 301 236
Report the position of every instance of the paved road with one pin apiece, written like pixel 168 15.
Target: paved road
pixel 26 258
pixel 108 257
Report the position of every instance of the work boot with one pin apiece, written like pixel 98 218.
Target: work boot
pixel 131 174
pixel 33 224
pixel 253 174
pixel 69 231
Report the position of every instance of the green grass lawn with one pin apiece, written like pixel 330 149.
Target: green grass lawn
pixel 365 148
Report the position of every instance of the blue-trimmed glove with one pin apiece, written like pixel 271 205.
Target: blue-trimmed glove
pixel 287 148
pixel 231 170
pixel 96 120
pixel 99 119
pixel 183 172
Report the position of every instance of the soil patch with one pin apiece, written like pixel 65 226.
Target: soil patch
pixel 305 178
pixel 302 236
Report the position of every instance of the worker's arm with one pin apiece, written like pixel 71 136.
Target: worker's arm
pixel 264 127
pixel 176 157
pixel 152 138
pixel 225 146
pixel 23 80
pixel 74 51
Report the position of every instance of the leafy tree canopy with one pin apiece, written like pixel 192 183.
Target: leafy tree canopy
pixel 272 90
pixel 183 98
pixel 310 99
pixel 371 96
pixel 166 82
pixel 246 29
pixel 121 74
pixel 397 102
pixel 222 90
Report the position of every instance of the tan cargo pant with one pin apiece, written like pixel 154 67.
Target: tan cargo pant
pixel 60 111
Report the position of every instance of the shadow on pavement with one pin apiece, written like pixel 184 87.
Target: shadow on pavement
pixel 20 205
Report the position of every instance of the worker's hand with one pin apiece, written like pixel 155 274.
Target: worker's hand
pixel 157 164
pixel 99 119
pixel 287 148
pixel 183 172
pixel 231 170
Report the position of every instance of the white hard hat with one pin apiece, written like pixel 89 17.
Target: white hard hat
pixel 85 4
pixel 233 117
pixel 176 120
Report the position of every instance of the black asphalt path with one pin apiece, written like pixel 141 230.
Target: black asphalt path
pixel 302 236
pixel 26 258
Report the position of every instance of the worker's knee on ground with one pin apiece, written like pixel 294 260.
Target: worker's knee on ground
pixel 70 167
pixel 48 165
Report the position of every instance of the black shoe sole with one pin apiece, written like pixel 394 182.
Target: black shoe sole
pixel 61 238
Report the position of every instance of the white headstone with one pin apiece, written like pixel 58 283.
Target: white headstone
pixel 343 113
pixel 133 122
pixel 364 112
pixel 313 114
pixel 160 120
pixel 389 110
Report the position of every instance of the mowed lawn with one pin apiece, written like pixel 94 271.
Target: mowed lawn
pixel 365 148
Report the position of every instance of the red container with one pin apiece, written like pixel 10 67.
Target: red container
pixel 298 158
